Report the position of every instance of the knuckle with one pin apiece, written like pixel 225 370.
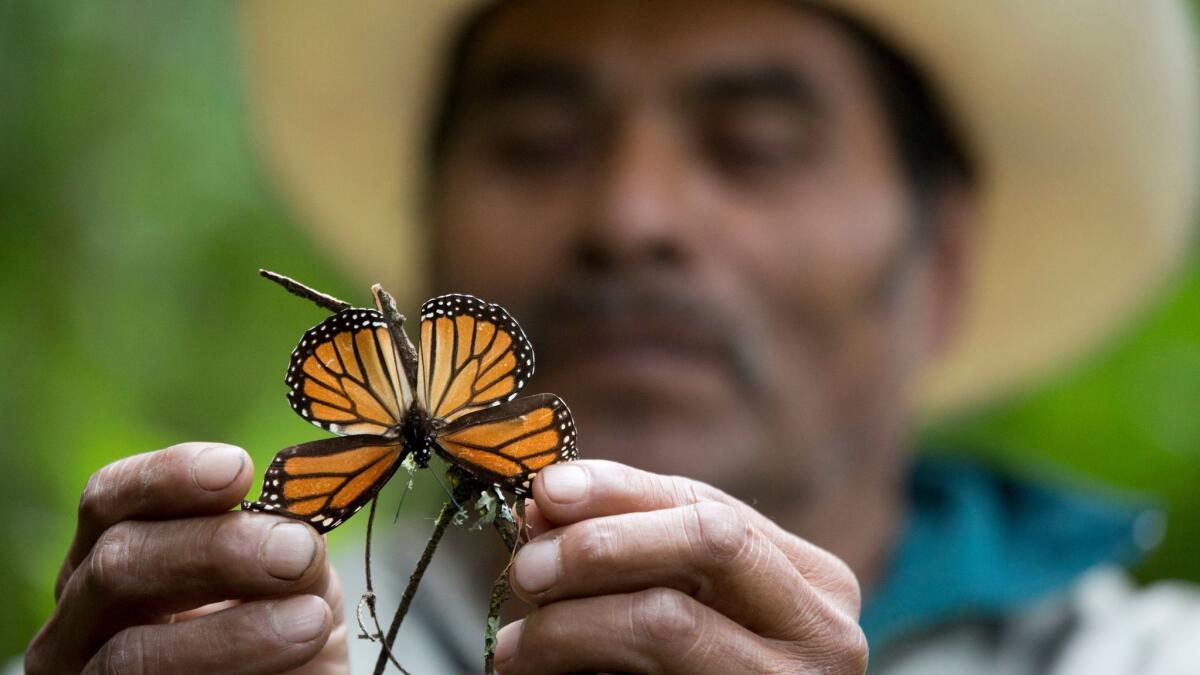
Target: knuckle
pixel 110 566
pixel 720 532
pixel 666 616
pixel 38 657
pixel 126 653
pixel 683 491
pixel 689 491
pixel 841 586
pixel 596 544
pixel 840 646
pixel 848 647
pixel 236 536
pixel 93 499
pixel 850 592
pixel 858 652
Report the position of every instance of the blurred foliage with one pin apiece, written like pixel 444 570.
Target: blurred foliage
pixel 134 217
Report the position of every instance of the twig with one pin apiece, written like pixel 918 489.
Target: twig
pixel 386 305
pixel 368 598
pixel 499 595
pixel 298 289
pixel 512 540
pixel 440 525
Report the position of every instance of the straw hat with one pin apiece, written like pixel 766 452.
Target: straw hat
pixel 1082 112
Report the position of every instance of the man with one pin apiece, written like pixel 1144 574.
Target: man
pixel 736 232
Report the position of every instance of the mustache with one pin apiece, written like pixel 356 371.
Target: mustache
pixel 583 314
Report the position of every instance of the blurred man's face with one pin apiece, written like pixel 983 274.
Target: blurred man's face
pixel 695 209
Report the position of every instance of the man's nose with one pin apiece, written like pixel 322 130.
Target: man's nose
pixel 638 213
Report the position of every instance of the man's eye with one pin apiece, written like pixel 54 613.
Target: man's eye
pixel 536 149
pixel 753 154
pixel 757 148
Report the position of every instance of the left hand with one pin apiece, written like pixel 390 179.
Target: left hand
pixel 631 571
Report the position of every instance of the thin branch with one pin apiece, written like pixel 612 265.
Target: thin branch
pixel 510 531
pixel 440 525
pixel 323 300
pixel 507 535
pixel 499 595
pixel 404 346
pixel 367 556
pixel 368 598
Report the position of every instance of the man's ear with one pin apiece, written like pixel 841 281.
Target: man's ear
pixel 953 263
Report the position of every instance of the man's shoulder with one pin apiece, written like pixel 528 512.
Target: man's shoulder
pixel 1104 624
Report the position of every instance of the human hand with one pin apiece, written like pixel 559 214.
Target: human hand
pixel 635 572
pixel 163 578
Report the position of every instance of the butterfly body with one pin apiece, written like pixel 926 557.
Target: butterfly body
pixel 419 435
pixel 352 375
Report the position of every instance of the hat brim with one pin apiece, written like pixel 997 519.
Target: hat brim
pixel 1082 113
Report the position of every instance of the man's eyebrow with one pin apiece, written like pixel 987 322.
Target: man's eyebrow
pixel 518 79
pixel 769 83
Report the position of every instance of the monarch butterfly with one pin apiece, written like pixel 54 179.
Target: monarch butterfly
pixel 358 375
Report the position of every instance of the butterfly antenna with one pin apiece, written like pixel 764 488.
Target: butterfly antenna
pixel 403 496
pixel 447 491
pixel 299 290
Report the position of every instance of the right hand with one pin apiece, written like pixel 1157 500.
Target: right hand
pixel 163 578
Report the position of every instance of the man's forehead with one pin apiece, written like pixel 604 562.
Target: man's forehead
pixel 652 42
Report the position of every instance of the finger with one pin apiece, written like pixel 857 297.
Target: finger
pixel 190 479
pixel 570 492
pixel 267 636
pixel 139 571
pixel 535 524
pixel 652 631
pixel 705 550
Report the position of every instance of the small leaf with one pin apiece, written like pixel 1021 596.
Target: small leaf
pixel 486 505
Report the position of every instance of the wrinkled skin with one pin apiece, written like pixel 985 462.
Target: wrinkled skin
pixel 163 578
pixel 695 209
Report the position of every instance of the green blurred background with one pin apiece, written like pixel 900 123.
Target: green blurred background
pixel 134 216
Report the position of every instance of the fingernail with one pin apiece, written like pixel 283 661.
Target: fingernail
pixel 288 550
pixel 536 567
pixel 299 619
pixel 564 483
pixel 215 468
pixel 507 639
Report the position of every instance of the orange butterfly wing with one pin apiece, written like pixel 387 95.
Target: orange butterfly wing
pixel 473 355
pixel 345 375
pixel 508 444
pixel 325 482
